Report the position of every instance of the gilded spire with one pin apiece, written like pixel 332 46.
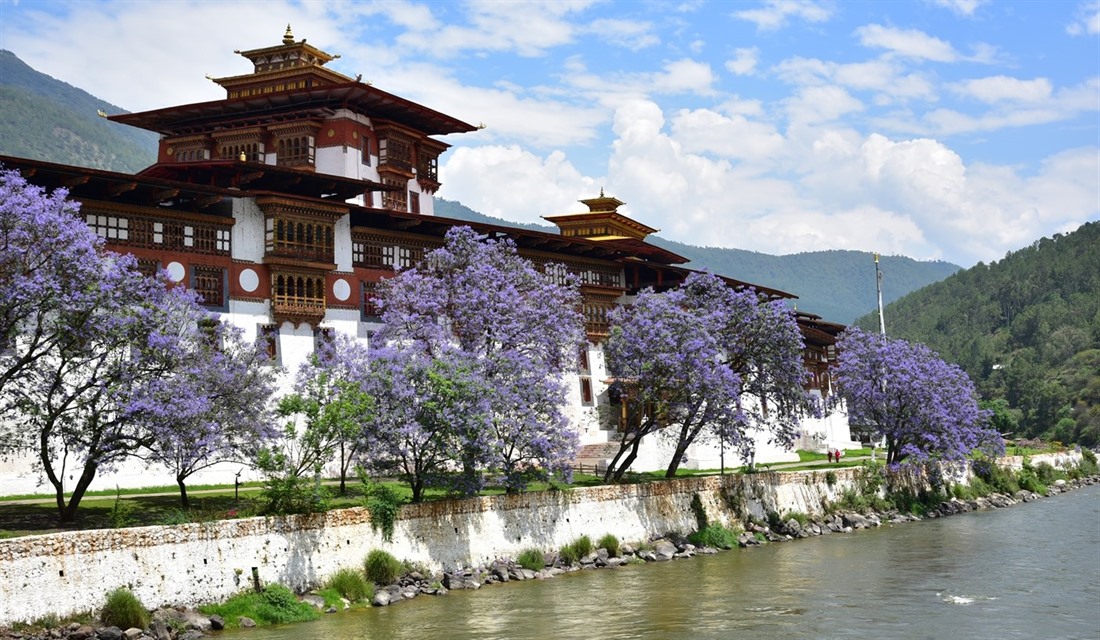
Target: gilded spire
pixel 288 37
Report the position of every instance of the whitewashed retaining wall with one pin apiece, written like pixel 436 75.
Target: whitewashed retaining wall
pixel 68 573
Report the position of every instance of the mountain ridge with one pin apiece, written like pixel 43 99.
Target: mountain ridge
pixel 812 276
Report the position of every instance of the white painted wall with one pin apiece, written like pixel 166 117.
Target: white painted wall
pixel 196 563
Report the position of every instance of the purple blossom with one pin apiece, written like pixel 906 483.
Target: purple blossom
pixel 923 406
pixel 487 322
pixel 705 361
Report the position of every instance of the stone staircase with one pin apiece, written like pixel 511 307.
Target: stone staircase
pixel 591 457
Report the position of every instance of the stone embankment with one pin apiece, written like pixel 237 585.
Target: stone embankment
pixel 181 623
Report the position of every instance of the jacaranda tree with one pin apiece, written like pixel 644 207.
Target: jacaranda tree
pixel 220 387
pixel 709 361
pixel 431 412
pixel 98 362
pixel 48 259
pixel 493 322
pixel 923 406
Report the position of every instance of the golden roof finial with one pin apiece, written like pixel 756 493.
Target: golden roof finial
pixel 288 37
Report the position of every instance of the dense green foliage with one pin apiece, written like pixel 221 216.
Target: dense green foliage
pixel 714 535
pixel 531 559
pixel 836 285
pixel 46 119
pixel 609 542
pixel 1026 329
pixel 350 584
pixel 124 610
pixel 574 551
pixel 381 567
pixel 276 604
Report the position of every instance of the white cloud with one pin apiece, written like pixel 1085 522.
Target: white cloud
pixel 961 7
pixel 527 28
pixel 744 61
pixel 511 183
pixel 703 131
pixel 995 89
pixel 629 34
pixel 909 43
pixel 683 76
pixel 1087 21
pixel 775 14
pixel 819 104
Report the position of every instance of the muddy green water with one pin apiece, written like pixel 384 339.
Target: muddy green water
pixel 1030 571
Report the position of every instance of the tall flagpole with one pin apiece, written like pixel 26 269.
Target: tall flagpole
pixel 878 282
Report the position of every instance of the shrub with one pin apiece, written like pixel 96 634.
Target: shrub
pixel 1088 465
pixel 279 605
pixel 576 550
pixel 1029 481
pixel 714 535
pixel 274 605
pixel 583 546
pixel 997 477
pixel 384 503
pixel 798 516
pixel 609 542
pixel 382 568
pixel 531 559
pixel 121 514
pixel 830 478
pixel 124 610
pixel 350 584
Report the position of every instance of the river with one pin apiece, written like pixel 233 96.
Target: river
pixel 1029 571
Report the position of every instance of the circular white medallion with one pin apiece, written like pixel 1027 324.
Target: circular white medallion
pixel 249 280
pixel 175 271
pixel 341 289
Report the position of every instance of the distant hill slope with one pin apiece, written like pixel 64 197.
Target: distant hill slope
pixel 1026 328
pixel 46 119
pixel 837 285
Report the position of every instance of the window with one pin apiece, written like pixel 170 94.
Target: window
pixel 269 337
pixel 147 267
pixel 368 292
pixel 109 227
pixel 367 147
pixel 414 202
pixel 209 282
pixel 223 240
pixel 308 240
pixel 396 200
pixel 295 151
pixel 587 398
pixel 323 337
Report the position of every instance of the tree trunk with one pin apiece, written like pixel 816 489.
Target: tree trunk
pixel 183 491
pixel 68 514
pixel 677 456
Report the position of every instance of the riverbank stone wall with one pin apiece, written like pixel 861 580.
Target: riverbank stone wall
pixel 69 573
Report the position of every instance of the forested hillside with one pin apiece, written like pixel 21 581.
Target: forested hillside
pixel 46 119
pixel 1026 329
pixel 837 285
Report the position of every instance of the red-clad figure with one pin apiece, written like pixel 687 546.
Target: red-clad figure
pixel 836 456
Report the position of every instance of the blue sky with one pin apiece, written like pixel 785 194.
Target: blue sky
pixel 939 129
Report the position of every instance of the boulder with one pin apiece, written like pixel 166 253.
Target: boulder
pixel 246 622
pixel 109 633
pixel 317 601
pixel 132 633
pixel 381 598
pixel 217 623
pixel 664 550
pixel 192 634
